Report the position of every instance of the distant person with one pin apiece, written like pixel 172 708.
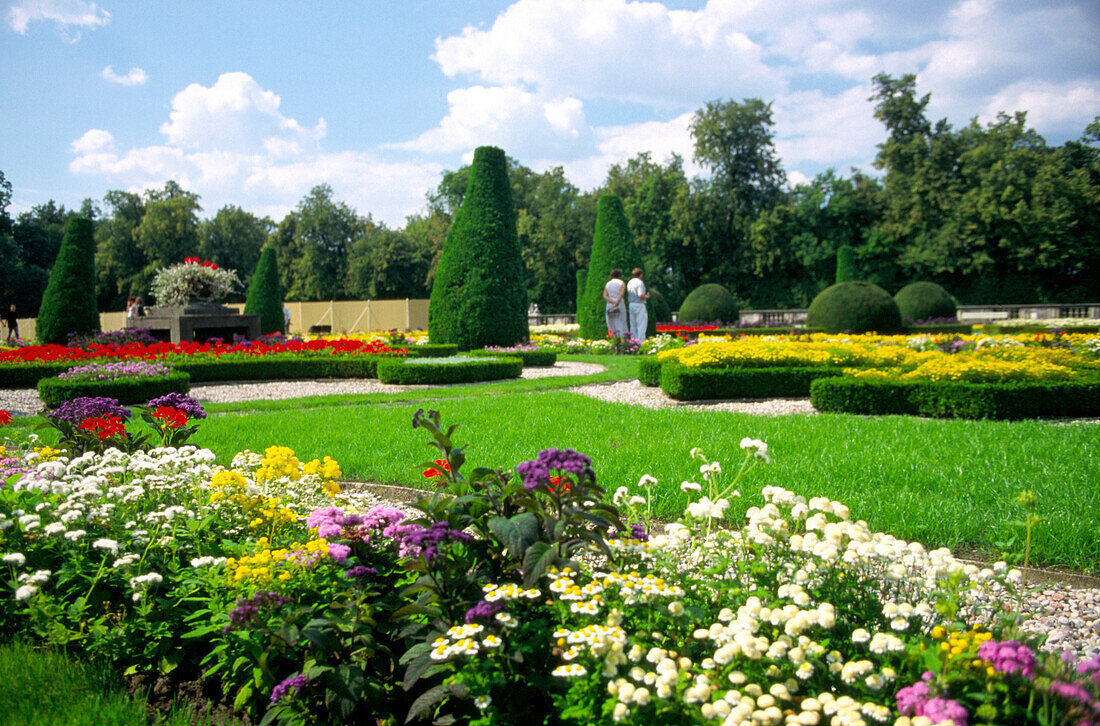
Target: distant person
pixel 139 307
pixel 286 320
pixel 613 292
pixel 130 306
pixel 636 296
pixel 13 324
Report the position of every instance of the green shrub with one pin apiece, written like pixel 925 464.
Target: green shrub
pixel 478 297
pixel 649 371
pixel 530 358
pixel 278 366
pixel 53 391
pixel 413 371
pixel 925 301
pixel 1037 327
pixel 582 278
pixel 27 375
pixel 940 329
pixel 612 247
pixel 708 303
pixel 69 303
pixel 854 307
pixel 702 384
pixel 846 264
pixel 265 298
pixel 956 399
pixel 432 350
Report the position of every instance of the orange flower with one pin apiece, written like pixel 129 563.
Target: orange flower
pixel 443 465
pixel 563 482
pixel 104 427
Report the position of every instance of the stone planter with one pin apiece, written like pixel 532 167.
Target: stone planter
pixel 197 321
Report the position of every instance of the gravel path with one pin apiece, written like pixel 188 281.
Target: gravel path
pixel 1069 615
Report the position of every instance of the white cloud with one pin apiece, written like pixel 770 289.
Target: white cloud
pixel 134 77
pixel 67 14
pixel 229 143
pixel 1065 107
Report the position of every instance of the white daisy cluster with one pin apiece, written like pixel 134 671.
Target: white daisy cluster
pixel 464 640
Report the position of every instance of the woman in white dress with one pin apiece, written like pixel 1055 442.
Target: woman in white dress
pixel 616 314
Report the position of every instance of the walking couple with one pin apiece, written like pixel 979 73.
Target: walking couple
pixel 626 310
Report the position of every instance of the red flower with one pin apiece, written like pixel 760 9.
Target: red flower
pixel 443 465
pixel 172 417
pixel 5 418
pixel 104 427
pixel 563 482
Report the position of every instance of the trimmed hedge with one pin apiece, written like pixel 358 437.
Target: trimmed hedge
pixel 456 370
pixel 649 371
pixel 925 301
pixel 54 391
pixel 1037 327
pixel 276 367
pixel 69 303
pixel 703 384
pixel 956 399
pixel 530 358
pixel 940 329
pixel 27 375
pixel 265 297
pixel 854 307
pixel 709 302
pixel 432 350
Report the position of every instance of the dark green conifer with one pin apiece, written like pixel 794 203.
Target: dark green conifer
pixel 69 303
pixel 265 298
pixel 478 295
pixel 612 247
pixel 846 264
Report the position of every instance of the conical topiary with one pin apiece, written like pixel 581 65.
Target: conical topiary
pixel 478 296
pixel 582 278
pixel 265 298
pixel 854 307
pixel 846 264
pixel 69 304
pixel 612 247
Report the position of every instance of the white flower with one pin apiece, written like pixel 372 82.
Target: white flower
pixel 757 447
pixel 637 501
pixel 54 528
pixel 15 558
pixel 620 496
pixel 646 481
pixel 26 592
pixel 690 486
pixel 106 544
pixel 75 534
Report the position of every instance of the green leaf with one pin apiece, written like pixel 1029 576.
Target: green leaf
pixel 423 704
pixel 538 558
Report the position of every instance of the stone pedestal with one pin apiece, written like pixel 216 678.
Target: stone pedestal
pixel 197 322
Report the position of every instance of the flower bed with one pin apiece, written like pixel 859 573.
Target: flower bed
pixel 308 608
pixel 457 369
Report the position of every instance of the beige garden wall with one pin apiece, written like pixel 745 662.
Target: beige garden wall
pixel 342 316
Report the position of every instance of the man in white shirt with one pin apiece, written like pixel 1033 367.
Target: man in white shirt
pixel 636 296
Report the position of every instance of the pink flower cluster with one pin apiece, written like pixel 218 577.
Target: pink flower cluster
pixel 918 700
pixel 1010 656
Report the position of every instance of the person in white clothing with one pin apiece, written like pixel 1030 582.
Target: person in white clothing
pixel 636 296
pixel 613 292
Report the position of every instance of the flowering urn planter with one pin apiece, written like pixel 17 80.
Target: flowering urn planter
pixel 197 321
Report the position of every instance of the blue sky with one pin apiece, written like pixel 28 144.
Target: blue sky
pixel 253 103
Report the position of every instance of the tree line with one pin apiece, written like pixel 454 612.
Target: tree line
pixel 991 212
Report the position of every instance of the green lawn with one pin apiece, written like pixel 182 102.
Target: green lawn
pixel 945 483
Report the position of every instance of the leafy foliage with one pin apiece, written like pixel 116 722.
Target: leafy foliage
pixel 69 304
pixel 478 296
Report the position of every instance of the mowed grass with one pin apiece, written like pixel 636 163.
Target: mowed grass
pixel 943 483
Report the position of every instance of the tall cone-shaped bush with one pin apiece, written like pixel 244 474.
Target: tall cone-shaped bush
pixel 612 247
pixel 846 264
pixel 69 305
pixel 265 298
pixel 478 295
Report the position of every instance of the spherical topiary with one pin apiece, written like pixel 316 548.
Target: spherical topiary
pixel 612 248
pixel 478 295
pixel 69 305
pixel 846 264
pixel 264 296
pixel 925 301
pixel 854 307
pixel 708 303
pixel 659 312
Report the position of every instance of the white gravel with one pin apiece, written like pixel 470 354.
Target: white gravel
pixel 633 392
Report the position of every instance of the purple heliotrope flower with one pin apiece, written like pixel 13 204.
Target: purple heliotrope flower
pixel 484 611
pixel 296 683
pixel 1009 657
pixel 180 402
pixel 78 409
pixel 248 608
pixel 359 572
pixel 415 540
pixel 331 522
pixel 112 371
pixel 566 461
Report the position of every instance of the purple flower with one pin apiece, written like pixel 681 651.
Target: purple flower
pixel 1071 692
pixel 78 409
pixel 246 609
pixel 1009 657
pixel 359 572
pixel 338 552
pixel 112 371
pixel 179 401
pixel 483 611
pixel 910 696
pixel 297 683
pixel 917 700
pixel 565 461
pixel 425 541
pixel 638 532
